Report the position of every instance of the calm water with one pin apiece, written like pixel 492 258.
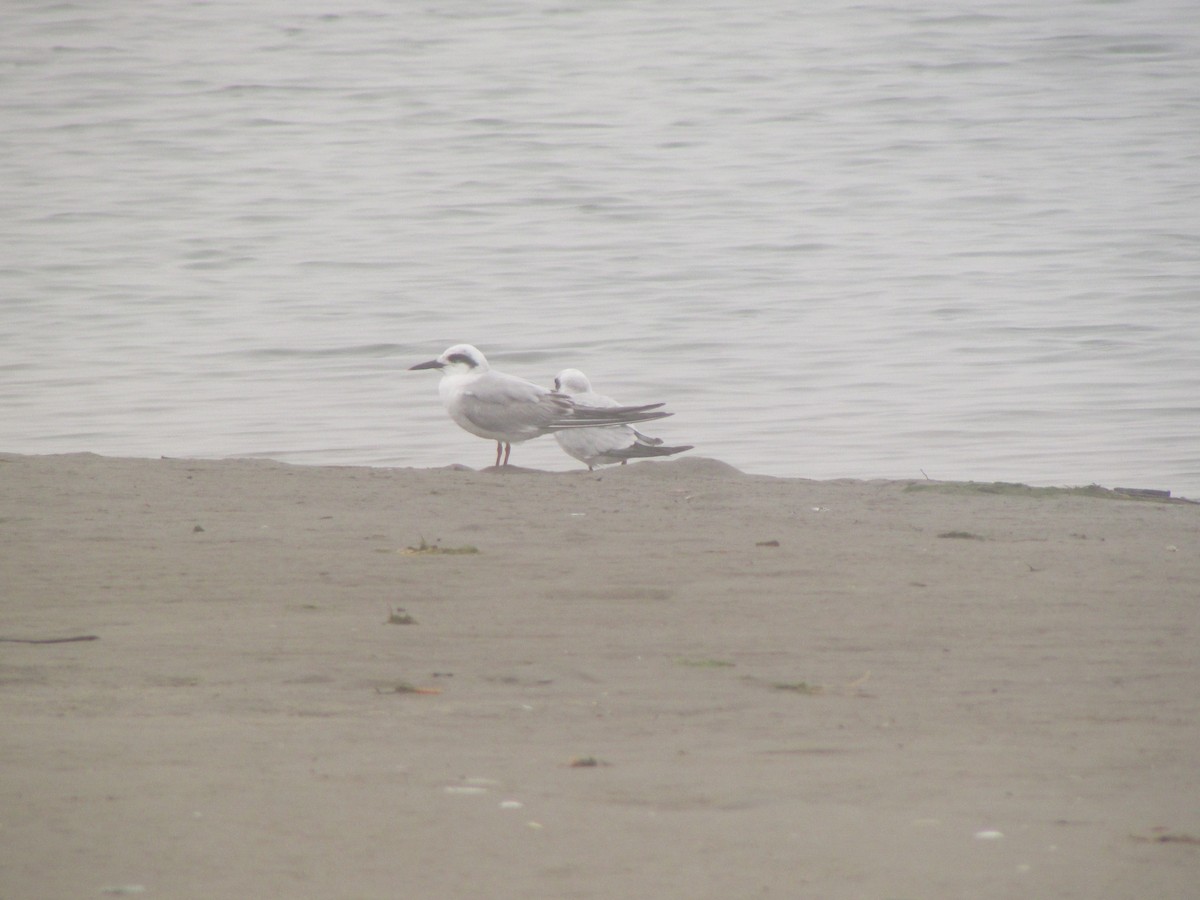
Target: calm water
pixel 867 239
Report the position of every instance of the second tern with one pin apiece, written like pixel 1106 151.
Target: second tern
pixel 608 445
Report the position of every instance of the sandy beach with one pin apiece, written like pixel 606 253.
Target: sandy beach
pixel 667 680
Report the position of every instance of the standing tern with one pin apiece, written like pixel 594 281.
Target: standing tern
pixel 608 445
pixel 507 409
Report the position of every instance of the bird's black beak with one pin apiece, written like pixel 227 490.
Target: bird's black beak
pixel 431 364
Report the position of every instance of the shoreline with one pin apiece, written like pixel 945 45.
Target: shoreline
pixel 669 678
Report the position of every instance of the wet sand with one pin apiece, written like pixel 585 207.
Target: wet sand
pixel 668 679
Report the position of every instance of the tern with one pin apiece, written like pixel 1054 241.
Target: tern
pixel 607 445
pixel 507 409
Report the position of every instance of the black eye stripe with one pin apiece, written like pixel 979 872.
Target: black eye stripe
pixel 460 358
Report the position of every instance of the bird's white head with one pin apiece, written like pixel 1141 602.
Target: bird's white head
pixel 460 359
pixel 572 381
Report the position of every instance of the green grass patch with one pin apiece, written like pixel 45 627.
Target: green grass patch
pixel 1015 489
pixel 799 687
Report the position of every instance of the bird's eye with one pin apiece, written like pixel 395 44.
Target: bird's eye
pixel 461 358
pixel 557 385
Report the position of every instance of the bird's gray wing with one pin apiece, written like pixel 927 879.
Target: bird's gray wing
pixel 584 417
pixel 512 406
